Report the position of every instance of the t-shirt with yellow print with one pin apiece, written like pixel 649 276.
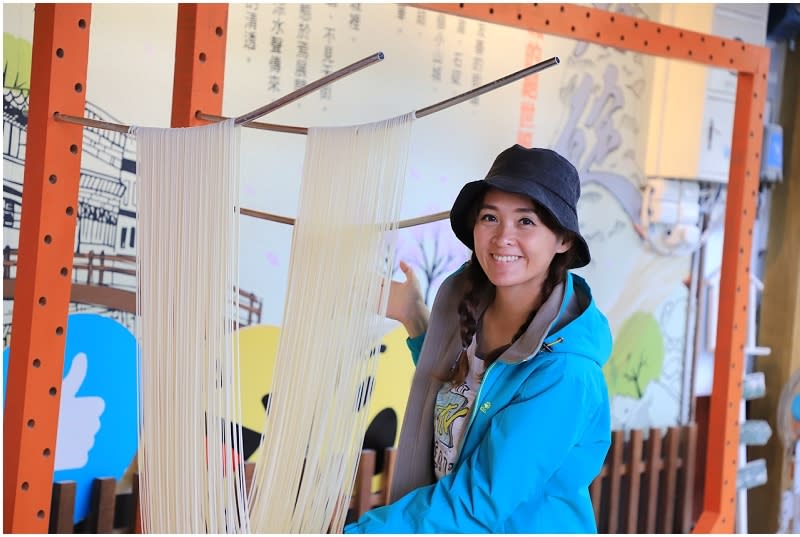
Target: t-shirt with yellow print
pixel 451 415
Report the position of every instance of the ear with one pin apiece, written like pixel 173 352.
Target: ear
pixel 564 245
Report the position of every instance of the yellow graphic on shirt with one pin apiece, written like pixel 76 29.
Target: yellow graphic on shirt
pixel 452 407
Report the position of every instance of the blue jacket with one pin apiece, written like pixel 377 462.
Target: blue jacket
pixel 539 432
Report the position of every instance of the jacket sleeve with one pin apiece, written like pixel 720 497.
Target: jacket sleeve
pixel 415 346
pixel 525 443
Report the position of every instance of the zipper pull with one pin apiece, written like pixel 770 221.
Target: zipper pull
pixel 549 346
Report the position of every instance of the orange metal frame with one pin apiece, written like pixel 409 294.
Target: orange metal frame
pixel 199 62
pixel 752 64
pixel 52 173
pixel 46 241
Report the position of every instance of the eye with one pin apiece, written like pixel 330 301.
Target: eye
pixel 526 221
pixel 488 217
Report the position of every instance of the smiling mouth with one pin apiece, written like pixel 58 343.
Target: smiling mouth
pixel 505 258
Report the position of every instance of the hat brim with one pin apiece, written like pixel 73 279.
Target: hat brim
pixel 549 200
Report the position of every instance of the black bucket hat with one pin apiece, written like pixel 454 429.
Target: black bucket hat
pixel 541 174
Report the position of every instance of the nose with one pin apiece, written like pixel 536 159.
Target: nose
pixel 504 236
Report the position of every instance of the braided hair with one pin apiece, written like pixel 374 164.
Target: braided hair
pixel 477 281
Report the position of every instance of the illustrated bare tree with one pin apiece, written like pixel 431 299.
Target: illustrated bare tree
pixel 434 252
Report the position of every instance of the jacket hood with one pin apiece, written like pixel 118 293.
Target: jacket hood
pixel 580 327
pixel 567 322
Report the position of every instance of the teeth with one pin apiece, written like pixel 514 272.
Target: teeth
pixel 505 258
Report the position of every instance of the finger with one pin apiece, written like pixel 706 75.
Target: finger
pixel 77 372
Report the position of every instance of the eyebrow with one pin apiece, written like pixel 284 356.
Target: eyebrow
pixel 518 210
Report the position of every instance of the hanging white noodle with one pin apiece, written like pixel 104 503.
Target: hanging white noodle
pixel 341 258
pixel 187 304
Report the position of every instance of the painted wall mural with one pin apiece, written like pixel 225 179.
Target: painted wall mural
pixel 593 108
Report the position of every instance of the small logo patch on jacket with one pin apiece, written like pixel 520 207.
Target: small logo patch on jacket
pixel 486 406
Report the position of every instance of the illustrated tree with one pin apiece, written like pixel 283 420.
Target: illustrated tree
pixel 435 252
pixel 637 356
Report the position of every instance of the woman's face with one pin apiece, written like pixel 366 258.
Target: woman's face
pixel 512 244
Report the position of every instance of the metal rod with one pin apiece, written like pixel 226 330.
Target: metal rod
pixel 422 112
pixel 499 83
pixel 411 222
pixel 256 125
pixel 86 122
pixel 308 88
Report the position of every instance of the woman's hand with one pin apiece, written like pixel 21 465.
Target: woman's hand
pixel 406 304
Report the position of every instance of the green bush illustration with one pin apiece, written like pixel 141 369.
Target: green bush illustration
pixel 17 53
pixel 637 356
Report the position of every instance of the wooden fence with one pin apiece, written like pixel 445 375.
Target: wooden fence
pixel 109 280
pixel 645 486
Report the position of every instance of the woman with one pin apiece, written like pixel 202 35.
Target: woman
pixel 507 423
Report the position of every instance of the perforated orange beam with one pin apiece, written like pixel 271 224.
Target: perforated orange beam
pixel 752 63
pixel 199 62
pixel 46 241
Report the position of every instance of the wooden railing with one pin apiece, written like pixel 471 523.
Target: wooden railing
pixel 645 486
pixel 109 280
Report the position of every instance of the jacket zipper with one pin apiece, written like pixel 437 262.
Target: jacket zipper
pixel 476 403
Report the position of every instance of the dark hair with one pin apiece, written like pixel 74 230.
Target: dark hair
pixel 478 281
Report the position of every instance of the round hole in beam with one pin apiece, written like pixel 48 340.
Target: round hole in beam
pixel 46 452
pixel 40 513
pixel 48 239
pixel 82 24
pixel 73 148
pixel 37 363
pixel 215 88
pixel 24 485
pixel 572 28
pixel 723 43
pixel 63 271
pixel 588 15
pixel 70 211
pixel 202 57
pixel 562 9
pixel 218 31
pixel 52 391
pixel 42 300
pixel 53 179
pixel 78 87
pixel 60 52
pixel 635 24
pixel 547 22
pixel 645 42
pixel 669 48
pixel 31 423
pixel 613 18
pixel 519 16
pixel 690 53
pixel 702 39
pixel 680 34
pixel 597 35
pixel 59 330
pixel 658 30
